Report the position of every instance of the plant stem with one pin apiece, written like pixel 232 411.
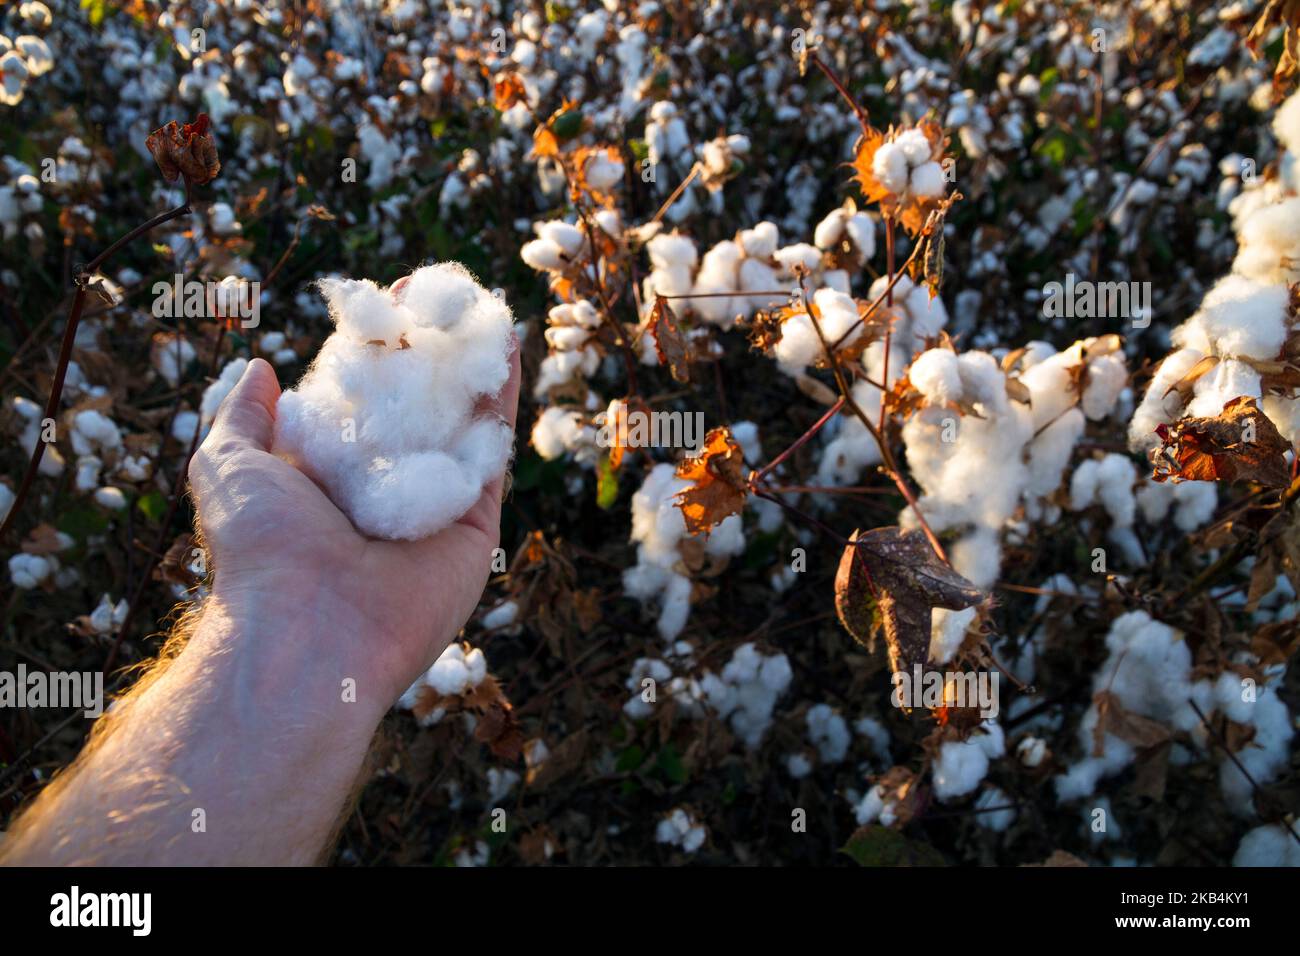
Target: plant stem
pixel 65 350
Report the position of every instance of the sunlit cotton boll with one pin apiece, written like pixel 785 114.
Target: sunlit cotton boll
pixel 385 419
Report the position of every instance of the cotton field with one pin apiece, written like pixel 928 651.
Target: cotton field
pixel 986 548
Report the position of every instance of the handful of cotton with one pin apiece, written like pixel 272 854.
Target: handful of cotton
pixel 390 418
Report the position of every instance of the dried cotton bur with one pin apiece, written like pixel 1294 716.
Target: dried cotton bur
pixel 389 418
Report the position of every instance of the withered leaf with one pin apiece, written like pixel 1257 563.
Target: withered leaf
pixel 718 482
pixel 908 581
pixel 1274 643
pixel 562 761
pixel 189 151
pixel 1286 14
pixel 670 344
pixel 1113 718
pixel 507 90
pixel 1241 443
pixel 855 605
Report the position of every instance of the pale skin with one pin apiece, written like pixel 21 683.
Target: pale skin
pixel 252 724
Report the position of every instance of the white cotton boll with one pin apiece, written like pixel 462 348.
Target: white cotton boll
pixel 983 381
pixel 799 345
pixel 92 430
pixel 746 436
pixel 216 393
pixel 800 256
pixel 1159 404
pixel 838 314
pixel 978 557
pixel 676 607
pixel 927 180
pixel 1031 751
pixel 30 570
pixel 994 809
pixel 959 769
pixel 1228 380
pixel 170 357
pixel 1107 377
pixel 543 255
pixel 761 241
pixel 568 238
pixel 798 766
pixel 757 276
pixel 88 467
pixel 937 375
pixel 1197 501
pixel 668 251
pixel 830 230
pixel 111 497
pixel 861 229
pixel 449 676
pixel 828 732
pixel 503 615
pixel 1083 485
pixel 1286 123
pixel 1272 844
pixel 604 173
pixel 1116 475
pixel 1239 318
pixel 1050 452
pixel 914 146
pixel 476 664
pixel 670 281
pixel 948 630
pixel 184 426
pixel 890 167
pixel 6 500
pixel 556 431
pixel 391 432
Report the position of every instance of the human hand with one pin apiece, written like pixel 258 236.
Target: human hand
pixel 288 560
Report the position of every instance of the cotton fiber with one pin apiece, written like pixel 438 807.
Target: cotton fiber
pixel 389 417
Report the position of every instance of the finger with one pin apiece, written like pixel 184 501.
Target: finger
pixel 247 416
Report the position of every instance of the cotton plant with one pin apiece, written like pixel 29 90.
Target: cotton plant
pixel 1239 339
pixel 1149 673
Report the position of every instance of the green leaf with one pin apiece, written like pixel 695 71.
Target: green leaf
pixel 606 485
pixel 81 521
pixel 874 845
pixel 630 759
pixel 670 764
pixel 153 505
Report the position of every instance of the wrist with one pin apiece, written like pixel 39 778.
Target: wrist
pixel 294 658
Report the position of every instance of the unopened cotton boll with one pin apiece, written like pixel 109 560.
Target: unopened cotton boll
pixel 390 430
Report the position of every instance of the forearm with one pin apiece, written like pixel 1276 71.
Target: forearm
pixel 242 752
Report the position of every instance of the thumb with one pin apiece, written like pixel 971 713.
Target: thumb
pixel 247 415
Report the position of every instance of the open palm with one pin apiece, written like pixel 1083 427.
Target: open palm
pixel 387 608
